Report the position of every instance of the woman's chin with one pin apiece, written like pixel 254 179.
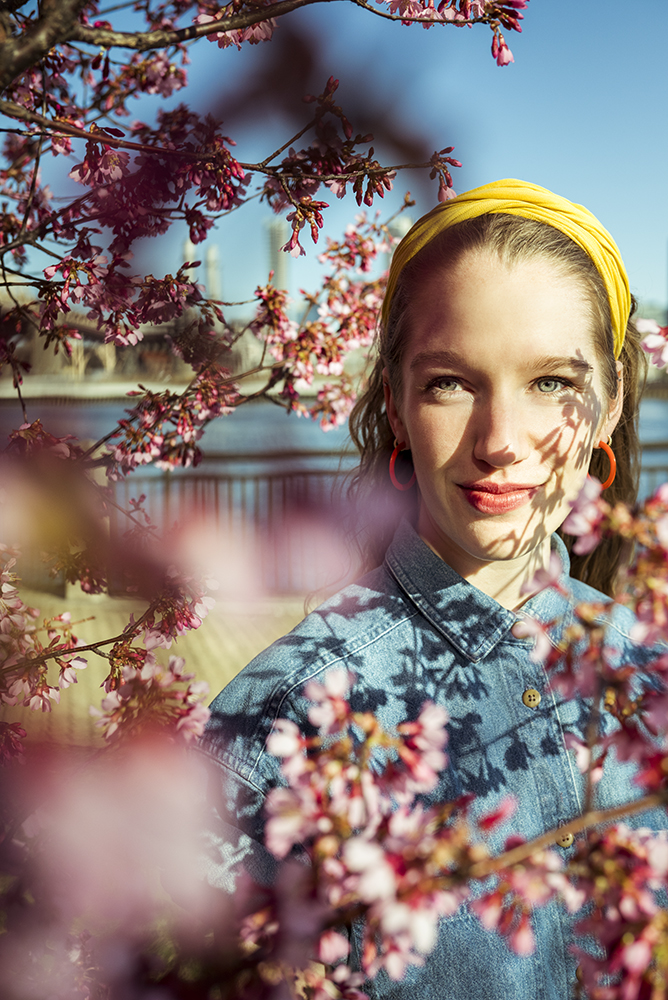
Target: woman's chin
pixel 514 534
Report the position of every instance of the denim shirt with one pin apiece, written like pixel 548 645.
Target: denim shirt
pixel 414 630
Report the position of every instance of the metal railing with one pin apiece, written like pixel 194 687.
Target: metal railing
pixel 285 522
pixel 278 516
pixel 654 471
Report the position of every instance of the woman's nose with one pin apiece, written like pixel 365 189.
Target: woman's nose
pixel 500 435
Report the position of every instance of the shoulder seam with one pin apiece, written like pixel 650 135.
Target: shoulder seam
pixel 323 666
pixel 225 766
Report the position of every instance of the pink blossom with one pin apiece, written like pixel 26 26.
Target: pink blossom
pixel 68 672
pixel 550 576
pixel 329 707
pixel 522 939
pixel 421 752
pixel 583 758
pixel 655 342
pixel 661 528
pixel 500 51
pixel 505 809
pixel 637 956
pixel 100 168
pixel 291 819
pixel 656 346
pixel 154 638
pixel 585 517
pixel 530 628
pixel 191 725
pixel 488 910
pixel 332 947
pixel 285 739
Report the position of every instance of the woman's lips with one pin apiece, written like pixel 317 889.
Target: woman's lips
pixel 495 498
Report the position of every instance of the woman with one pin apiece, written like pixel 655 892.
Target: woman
pixel 506 361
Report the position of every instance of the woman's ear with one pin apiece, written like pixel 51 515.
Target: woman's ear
pixel 616 405
pixel 395 420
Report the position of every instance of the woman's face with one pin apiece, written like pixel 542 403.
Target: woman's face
pixel 502 402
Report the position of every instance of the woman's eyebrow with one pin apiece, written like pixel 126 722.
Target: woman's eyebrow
pixel 552 362
pixel 549 362
pixel 446 358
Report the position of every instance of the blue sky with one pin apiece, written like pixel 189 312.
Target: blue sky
pixel 582 111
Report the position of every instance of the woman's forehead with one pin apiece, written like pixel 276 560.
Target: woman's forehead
pixel 482 305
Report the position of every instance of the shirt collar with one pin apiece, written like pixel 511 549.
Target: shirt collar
pixel 471 620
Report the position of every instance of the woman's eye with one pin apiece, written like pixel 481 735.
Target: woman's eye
pixel 548 385
pixel 445 384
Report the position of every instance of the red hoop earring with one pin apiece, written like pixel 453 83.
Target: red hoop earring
pixel 613 463
pixel 393 478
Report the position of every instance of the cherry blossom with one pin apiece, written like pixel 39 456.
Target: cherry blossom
pixel 530 628
pixel 148 696
pixel 655 341
pixel 586 517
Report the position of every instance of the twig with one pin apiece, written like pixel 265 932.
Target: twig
pixel 129 632
pixel 141 41
pixel 17 386
pixel 285 145
pixel 483 19
pixel 593 818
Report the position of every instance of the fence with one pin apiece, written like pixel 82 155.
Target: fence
pixel 280 514
pixel 285 524
pixel 282 517
pixel 654 469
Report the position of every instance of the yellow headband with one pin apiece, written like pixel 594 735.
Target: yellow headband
pixel 530 201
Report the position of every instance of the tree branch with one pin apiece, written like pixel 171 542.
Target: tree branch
pixel 57 127
pixel 594 818
pixel 483 19
pixel 129 632
pixel 141 41
pixel 53 27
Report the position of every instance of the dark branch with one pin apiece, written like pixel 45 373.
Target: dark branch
pixel 593 818
pixel 56 24
pixel 141 41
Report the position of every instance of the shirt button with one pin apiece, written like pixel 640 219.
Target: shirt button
pixel 531 698
pixel 565 840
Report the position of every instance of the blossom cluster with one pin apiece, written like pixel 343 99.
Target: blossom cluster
pixel 23 670
pixel 620 875
pixel 496 13
pixel 138 186
pixel 163 428
pixel 376 851
pixel 655 341
pixel 45 473
pixel 397 865
pixel 145 696
pixel 137 179
pixel 346 309
pixel 619 870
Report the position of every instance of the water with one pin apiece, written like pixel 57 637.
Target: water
pixel 254 429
